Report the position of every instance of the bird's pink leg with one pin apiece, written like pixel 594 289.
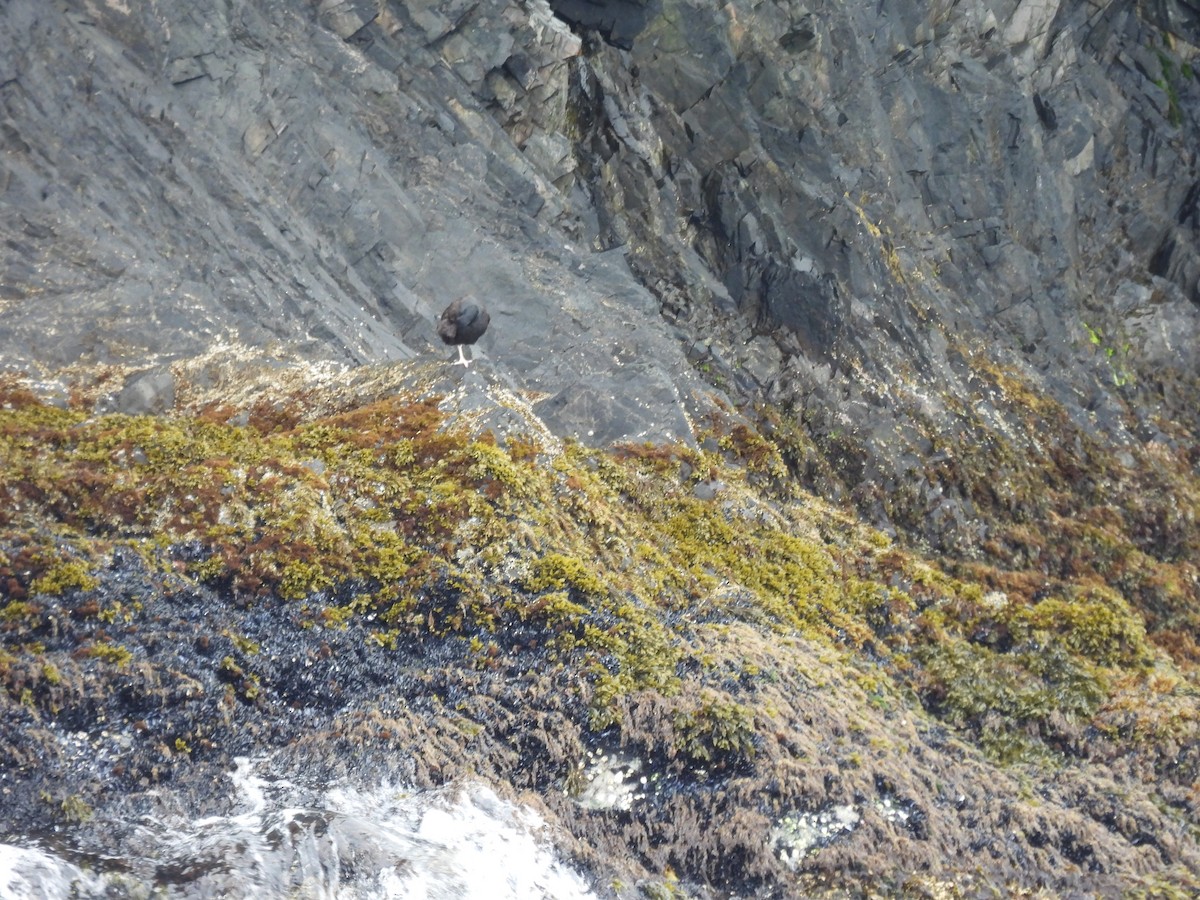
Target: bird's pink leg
pixel 462 359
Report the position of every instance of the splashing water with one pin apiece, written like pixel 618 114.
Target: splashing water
pixel 461 843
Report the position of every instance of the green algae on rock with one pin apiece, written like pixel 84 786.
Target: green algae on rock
pixel 757 654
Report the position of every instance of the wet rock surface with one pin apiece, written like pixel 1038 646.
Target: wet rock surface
pixel 935 264
pixel 702 679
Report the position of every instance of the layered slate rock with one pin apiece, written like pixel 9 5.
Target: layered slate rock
pixel 892 196
pixel 317 180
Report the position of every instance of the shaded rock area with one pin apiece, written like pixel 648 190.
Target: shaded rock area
pixel 893 197
pixel 820 515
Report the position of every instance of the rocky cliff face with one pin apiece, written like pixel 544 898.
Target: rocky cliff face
pixel 936 264
pixel 318 179
pixel 858 215
pixel 861 213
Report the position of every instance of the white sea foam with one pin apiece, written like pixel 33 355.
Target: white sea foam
pixel 343 843
pixel 27 873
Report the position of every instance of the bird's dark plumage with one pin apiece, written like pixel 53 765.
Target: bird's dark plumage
pixel 463 322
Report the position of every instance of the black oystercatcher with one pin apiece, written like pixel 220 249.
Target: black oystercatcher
pixel 463 322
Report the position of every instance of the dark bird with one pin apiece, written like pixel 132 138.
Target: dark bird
pixel 1045 112
pixel 463 322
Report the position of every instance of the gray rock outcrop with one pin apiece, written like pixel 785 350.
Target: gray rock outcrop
pixel 889 195
pixel 278 175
